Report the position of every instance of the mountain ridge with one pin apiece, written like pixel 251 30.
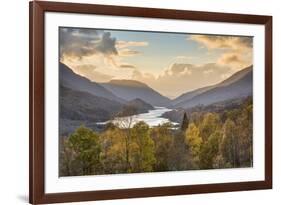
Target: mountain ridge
pixel 77 82
pixel 125 82
pixel 236 86
pixel 130 89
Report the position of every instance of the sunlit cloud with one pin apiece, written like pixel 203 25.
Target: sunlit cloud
pixel 127 66
pixel 125 44
pixel 223 42
pixel 236 51
pixel 171 68
pixel 180 78
pixel 125 51
pixel 178 70
pixel 95 54
pixel 206 72
pixel 128 52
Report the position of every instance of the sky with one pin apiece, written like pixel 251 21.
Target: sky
pixel 170 63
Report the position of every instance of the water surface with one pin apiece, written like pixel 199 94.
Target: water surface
pixel 152 118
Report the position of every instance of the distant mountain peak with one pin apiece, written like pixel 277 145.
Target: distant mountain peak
pixel 132 89
pixel 137 100
pixel 130 83
pixel 135 106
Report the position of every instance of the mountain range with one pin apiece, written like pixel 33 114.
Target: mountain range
pixel 83 101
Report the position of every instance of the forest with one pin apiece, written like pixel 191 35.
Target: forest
pixel 204 140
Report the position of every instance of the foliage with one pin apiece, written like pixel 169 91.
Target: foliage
pixel 209 125
pixel 143 157
pixel 209 151
pixel 206 140
pixel 194 141
pixel 82 151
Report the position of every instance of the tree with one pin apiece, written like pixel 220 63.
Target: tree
pixel 126 123
pixel 143 158
pixel 209 151
pixel 185 122
pixel 66 157
pixel 163 141
pixel 86 148
pixel 113 154
pixel 245 130
pixel 193 141
pixel 211 122
pixel 229 146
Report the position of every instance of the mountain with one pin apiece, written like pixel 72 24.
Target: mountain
pixel 131 89
pixel 189 95
pixel 83 107
pixel 238 85
pixel 79 105
pixel 134 107
pixel 76 82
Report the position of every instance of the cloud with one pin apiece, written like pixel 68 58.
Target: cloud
pixel 143 77
pixel 182 77
pixel 107 44
pixel 95 54
pixel 125 44
pixel 128 52
pixel 123 50
pixel 79 43
pixel 223 42
pixel 127 66
pixel 235 60
pixel 206 72
pixel 230 58
pixel 235 52
pixel 185 58
pixel 80 48
pixel 178 70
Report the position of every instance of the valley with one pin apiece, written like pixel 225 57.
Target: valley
pixel 93 104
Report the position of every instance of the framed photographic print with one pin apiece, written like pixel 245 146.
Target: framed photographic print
pixel 139 102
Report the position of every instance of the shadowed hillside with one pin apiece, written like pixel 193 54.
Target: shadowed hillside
pixel 130 89
pixel 237 86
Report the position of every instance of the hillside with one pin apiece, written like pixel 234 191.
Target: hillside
pixel 77 106
pixel 134 107
pixel 76 82
pixel 131 89
pixel 238 85
pixel 190 95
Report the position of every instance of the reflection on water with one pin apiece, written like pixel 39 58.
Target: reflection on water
pixel 152 118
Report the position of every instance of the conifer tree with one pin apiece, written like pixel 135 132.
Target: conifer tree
pixel 185 123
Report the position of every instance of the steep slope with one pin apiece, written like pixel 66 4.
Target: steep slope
pixel 190 95
pixel 237 86
pixel 131 89
pixel 76 82
pixel 77 105
pixel 76 108
pixel 238 76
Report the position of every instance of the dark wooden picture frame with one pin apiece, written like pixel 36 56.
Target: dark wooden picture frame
pixel 37 10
